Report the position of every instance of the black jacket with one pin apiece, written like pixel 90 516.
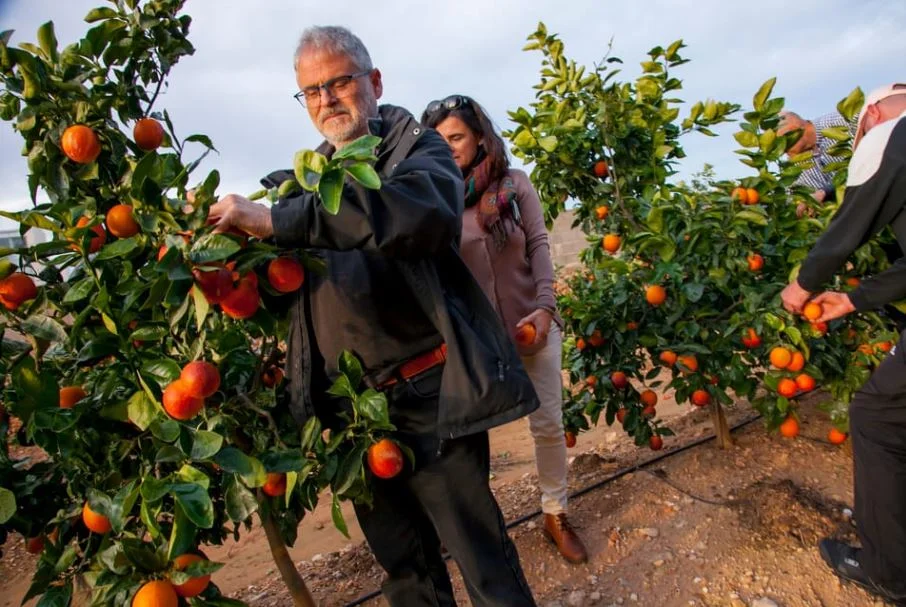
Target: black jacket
pixel 875 198
pixel 415 219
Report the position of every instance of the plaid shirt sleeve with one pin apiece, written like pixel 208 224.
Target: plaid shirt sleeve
pixel 813 175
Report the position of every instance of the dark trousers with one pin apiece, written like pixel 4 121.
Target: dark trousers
pixel 445 498
pixel 878 428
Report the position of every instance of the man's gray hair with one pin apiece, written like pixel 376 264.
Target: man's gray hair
pixel 336 39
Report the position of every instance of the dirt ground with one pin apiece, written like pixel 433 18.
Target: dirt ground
pixel 705 527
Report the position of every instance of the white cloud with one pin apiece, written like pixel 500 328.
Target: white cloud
pixel 237 87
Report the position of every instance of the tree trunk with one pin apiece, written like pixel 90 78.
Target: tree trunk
pixel 294 582
pixel 721 429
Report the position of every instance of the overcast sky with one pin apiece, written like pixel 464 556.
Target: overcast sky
pixel 238 86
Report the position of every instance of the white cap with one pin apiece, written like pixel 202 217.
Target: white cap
pixel 874 97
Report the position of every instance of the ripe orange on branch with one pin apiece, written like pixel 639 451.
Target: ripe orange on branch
pixel 96 523
pixel 385 460
pixel 121 222
pixel 195 585
pixel 285 274
pixel 148 134
pixel 16 289
pixel 179 401
pixel 80 144
pixel 655 295
pixel 202 379
pixel 611 243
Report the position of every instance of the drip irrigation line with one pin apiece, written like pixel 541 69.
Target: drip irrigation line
pixel 600 483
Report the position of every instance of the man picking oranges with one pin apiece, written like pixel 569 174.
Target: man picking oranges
pixel 875 198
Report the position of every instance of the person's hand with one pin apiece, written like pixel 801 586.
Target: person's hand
pixel 833 305
pixel 234 211
pixel 794 297
pixel 542 319
pixel 819 195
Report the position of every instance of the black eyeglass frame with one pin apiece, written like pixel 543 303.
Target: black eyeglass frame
pixel 345 79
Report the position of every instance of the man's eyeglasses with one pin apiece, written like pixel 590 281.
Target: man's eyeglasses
pixel 448 103
pixel 337 88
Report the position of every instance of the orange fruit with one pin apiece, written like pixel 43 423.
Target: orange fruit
pixel 649 411
pixel 619 380
pixel 621 414
pixel 120 221
pixel 701 398
pixel 835 437
pixel 752 196
pixel 580 344
pixel 739 194
pixel 591 381
pixel 215 282
pixel 157 593
pixel 611 243
pixel 884 346
pixel 781 357
pixel 790 427
pixel 596 340
pixel 812 311
pixel 570 438
pixel 601 212
pixel 787 387
pixel 655 295
pixel 96 523
pixel 272 376
pixel 601 169
pixel 656 443
pixel 805 382
pixel 750 339
pixel 820 328
pixel 853 281
pixel 632 325
pixel 80 144
pixel 70 395
pixel 179 402
pixel 668 357
pixel 275 485
pixel 285 274
pixel 34 545
pixel 202 379
pixel 385 458
pixel 16 289
pixel 194 586
pixel 755 261
pixel 242 302
pixel 648 398
pixel 148 134
pixel 526 334
pixel 97 241
pixel 690 362
pixel 797 362
pixel 866 349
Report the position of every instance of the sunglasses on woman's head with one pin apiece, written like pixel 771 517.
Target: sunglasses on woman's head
pixel 448 103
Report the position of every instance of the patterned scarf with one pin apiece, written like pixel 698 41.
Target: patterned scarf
pixel 496 201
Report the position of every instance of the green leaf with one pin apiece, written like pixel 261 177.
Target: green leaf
pixel 655 220
pixel 202 307
pixel 342 388
pixel 284 461
pixel 351 367
pixel 336 513
pixel 99 14
pixel 203 140
pixel 330 190
pixel 166 430
pixel 850 106
pixel 763 93
pixel 213 247
pixel 141 410
pixel 746 139
pixel 117 249
pixel 751 217
pixel 44 327
pixel 362 148
pixel 308 166
pixel 191 474
pixel 693 291
pixel 79 291
pixel 162 370
pixel 350 470
pixel 310 433
pixel 240 502
pixel 205 445
pixel 56 596
pixel 182 536
pixel 149 333
pixel 97 349
pixel 195 503
pixel 154 490
pixel 549 143
pixel 7 504
pixel 249 469
pixel 372 405
pixel 365 174
pixel 48 41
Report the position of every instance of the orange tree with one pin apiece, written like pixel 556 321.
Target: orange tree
pixel 142 353
pixel 681 281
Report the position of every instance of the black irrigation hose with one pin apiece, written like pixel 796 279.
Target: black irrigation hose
pixel 596 485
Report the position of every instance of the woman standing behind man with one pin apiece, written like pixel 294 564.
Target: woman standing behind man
pixel 505 245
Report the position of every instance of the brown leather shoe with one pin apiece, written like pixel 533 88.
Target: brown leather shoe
pixel 559 531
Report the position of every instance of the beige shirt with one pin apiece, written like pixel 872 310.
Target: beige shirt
pixel 518 279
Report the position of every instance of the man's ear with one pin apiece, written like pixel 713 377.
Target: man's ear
pixel 377 83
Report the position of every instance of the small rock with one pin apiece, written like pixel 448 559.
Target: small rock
pixel 658 563
pixel 317 558
pixel 696 580
pixel 620 601
pixel 576 598
pixel 649 532
pixel 554 604
pixel 847 513
pixel 737 603
pixel 593 580
pixel 764 602
pixel 531 526
pixel 633 597
pixel 594 596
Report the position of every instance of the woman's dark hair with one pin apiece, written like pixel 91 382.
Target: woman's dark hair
pixel 474 116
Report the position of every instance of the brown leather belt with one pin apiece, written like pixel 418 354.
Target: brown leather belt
pixel 416 366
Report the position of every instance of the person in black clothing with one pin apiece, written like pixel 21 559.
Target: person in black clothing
pixel 875 198
pixel 398 296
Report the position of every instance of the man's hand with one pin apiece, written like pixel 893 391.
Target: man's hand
pixel 234 211
pixel 541 318
pixel 794 297
pixel 834 305
pixel 819 195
